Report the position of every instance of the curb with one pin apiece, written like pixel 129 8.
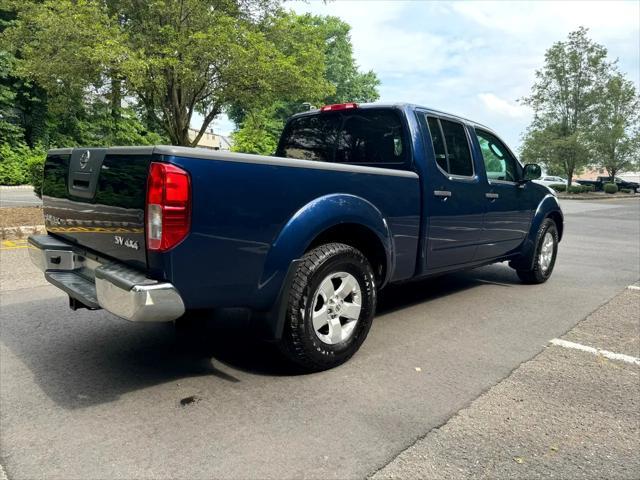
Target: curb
pixel 23 231
pixel 598 198
pixel 15 187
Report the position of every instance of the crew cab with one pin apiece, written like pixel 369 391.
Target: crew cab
pixel 599 183
pixel 357 197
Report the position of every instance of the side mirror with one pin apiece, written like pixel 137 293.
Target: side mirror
pixel 532 171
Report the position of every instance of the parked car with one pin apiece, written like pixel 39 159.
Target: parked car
pixel 356 198
pixel 548 181
pixel 598 184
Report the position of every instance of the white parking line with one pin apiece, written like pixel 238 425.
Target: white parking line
pixel 3 475
pixel 596 351
pixel 633 287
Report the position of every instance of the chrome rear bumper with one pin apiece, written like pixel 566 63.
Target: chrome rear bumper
pixel 98 283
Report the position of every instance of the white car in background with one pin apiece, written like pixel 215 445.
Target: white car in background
pixel 548 180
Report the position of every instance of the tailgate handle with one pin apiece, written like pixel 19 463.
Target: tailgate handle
pixel 83 184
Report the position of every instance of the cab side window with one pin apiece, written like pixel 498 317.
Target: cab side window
pixel 451 147
pixel 371 137
pixel 498 162
pixel 438 143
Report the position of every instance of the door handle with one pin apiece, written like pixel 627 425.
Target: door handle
pixel 442 193
pixel 491 195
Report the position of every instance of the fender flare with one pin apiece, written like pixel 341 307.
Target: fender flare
pixel 310 221
pixel 548 205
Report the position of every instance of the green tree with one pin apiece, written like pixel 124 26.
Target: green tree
pixel 351 85
pixel 564 100
pixel 199 56
pixel 171 58
pixel 259 133
pixel 616 134
pixel 10 130
pixel 259 130
pixel 22 104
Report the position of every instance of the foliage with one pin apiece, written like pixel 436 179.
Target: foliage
pixel 610 188
pixel 35 169
pixel 47 97
pixel 166 59
pixel 616 135
pixel 588 188
pixel 15 161
pixel 564 100
pixel 10 130
pixel 626 190
pixel 560 187
pixel 259 134
pixel 346 84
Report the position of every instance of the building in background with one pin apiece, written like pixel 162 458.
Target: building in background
pixel 211 140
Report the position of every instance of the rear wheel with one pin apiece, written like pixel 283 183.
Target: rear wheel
pixel 544 254
pixel 331 307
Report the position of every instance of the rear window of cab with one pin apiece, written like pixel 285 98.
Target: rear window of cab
pixel 372 137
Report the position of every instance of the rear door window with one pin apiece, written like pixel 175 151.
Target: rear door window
pixel 451 147
pixel 438 143
pixel 373 137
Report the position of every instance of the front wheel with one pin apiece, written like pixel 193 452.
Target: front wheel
pixel 544 254
pixel 332 302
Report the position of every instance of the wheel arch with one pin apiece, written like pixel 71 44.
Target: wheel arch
pixel 360 237
pixel 557 218
pixel 547 208
pixel 332 218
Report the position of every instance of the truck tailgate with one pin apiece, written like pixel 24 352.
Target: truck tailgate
pixel 95 197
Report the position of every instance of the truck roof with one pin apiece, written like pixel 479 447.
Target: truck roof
pixel 402 106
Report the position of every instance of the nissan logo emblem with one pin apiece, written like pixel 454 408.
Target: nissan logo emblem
pixel 84 159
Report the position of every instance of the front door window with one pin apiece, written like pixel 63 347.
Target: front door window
pixel 498 161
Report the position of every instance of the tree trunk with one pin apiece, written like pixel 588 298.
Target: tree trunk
pixel 116 103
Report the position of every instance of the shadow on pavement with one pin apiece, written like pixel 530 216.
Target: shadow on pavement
pixel 87 358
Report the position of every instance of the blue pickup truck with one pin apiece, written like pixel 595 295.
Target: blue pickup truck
pixel 357 197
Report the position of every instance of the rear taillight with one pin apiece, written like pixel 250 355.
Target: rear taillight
pixel 168 206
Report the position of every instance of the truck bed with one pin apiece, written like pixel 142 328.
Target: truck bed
pixel 241 205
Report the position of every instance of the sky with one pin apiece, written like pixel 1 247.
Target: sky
pixel 472 58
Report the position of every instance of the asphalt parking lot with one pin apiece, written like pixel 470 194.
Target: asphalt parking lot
pixel 20 196
pixel 85 395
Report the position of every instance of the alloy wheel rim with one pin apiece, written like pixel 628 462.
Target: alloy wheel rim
pixel 336 307
pixel 545 256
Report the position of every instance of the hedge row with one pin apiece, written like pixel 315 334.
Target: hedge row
pixel 21 165
pixel 610 188
pixel 573 188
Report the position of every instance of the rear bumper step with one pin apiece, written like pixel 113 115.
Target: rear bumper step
pixel 98 283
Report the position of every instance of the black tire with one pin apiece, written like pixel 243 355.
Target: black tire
pixel 300 343
pixel 538 274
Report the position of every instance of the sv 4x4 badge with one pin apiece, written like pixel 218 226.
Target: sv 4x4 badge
pixel 126 242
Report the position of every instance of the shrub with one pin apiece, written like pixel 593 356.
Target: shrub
pixel 626 190
pixel 610 188
pixel 16 161
pixel 576 189
pixel 588 188
pixel 36 173
pixel 559 187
